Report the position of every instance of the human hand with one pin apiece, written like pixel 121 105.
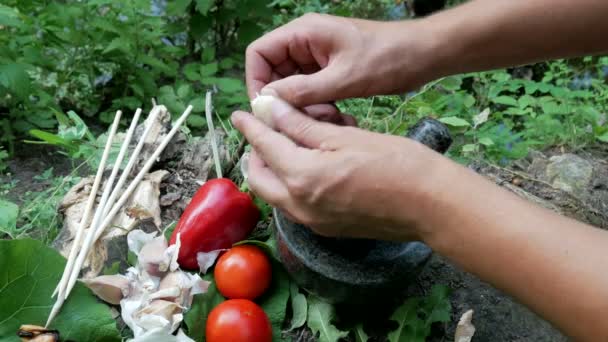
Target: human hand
pixel 340 181
pixel 318 59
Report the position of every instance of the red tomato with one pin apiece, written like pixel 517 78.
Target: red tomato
pixel 244 272
pixel 238 320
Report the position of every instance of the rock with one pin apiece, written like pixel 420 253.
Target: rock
pixel 570 173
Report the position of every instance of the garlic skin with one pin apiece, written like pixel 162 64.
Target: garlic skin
pixel 262 108
pixel 110 288
pixel 158 291
pixel 152 258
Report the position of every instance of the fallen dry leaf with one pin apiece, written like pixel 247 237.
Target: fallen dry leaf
pixel 465 328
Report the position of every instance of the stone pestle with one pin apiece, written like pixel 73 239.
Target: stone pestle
pixel 356 270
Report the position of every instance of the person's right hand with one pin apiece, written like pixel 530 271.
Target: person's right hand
pixel 318 59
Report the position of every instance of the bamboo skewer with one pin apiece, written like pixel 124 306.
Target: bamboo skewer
pixel 132 161
pixel 83 221
pixel 110 182
pixel 214 148
pixel 121 201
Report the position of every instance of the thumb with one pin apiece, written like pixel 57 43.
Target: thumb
pixel 299 127
pixel 302 90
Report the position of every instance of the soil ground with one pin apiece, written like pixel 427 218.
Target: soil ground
pixel 497 317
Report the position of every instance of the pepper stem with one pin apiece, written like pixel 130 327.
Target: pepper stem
pixel 214 147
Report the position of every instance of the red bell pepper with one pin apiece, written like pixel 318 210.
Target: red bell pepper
pixel 218 216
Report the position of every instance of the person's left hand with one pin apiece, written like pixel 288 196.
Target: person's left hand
pixel 340 181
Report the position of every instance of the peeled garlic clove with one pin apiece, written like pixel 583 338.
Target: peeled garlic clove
pixel 110 288
pixel 262 108
pixel 152 255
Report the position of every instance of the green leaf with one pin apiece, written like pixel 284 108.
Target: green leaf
pixel 9 16
pixel 455 121
pixel 120 43
pixel 210 69
pixel 360 335
pixel 603 137
pixel 274 301
pixel 299 307
pixel 486 141
pixel 505 100
pixel 320 317
pixel 191 71
pixel 50 138
pixel 526 101
pixel 157 64
pixel 411 328
pixel 269 246
pixel 437 305
pixel 184 91
pixel 9 212
pixel 469 148
pixel 226 84
pixel 29 272
pixel 203 6
pixel 14 77
pixel 195 120
pixel 202 304
pixel 469 101
pixel 451 83
pixel 178 7
pixel 198 105
pixel 208 55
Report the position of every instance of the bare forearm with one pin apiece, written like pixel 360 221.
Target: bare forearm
pixel 550 263
pixel 488 34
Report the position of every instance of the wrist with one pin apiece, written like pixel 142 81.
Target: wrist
pixel 416 51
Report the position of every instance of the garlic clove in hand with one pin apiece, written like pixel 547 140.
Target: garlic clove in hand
pixel 262 108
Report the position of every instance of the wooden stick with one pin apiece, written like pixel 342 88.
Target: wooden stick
pixel 110 182
pixel 83 221
pixel 121 201
pixel 214 148
pixel 132 160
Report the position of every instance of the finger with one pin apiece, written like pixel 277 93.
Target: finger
pixel 324 112
pixel 266 53
pixel 264 183
pixel 304 90
pixel 300 128
pixel 349 120
pixel 279 153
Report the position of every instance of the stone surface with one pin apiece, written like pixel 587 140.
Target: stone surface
pixel 353 270
pixel 569 172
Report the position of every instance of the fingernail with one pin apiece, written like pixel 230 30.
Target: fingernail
pixel 236 116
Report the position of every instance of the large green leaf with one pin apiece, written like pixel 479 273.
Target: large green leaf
pixel 29 272
pixel 320 316
pixel 274 301
pixel 196 317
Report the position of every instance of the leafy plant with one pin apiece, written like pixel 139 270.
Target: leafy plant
pixel 38 215
pixel 29 272
pixel 416 316
pixel 320 317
